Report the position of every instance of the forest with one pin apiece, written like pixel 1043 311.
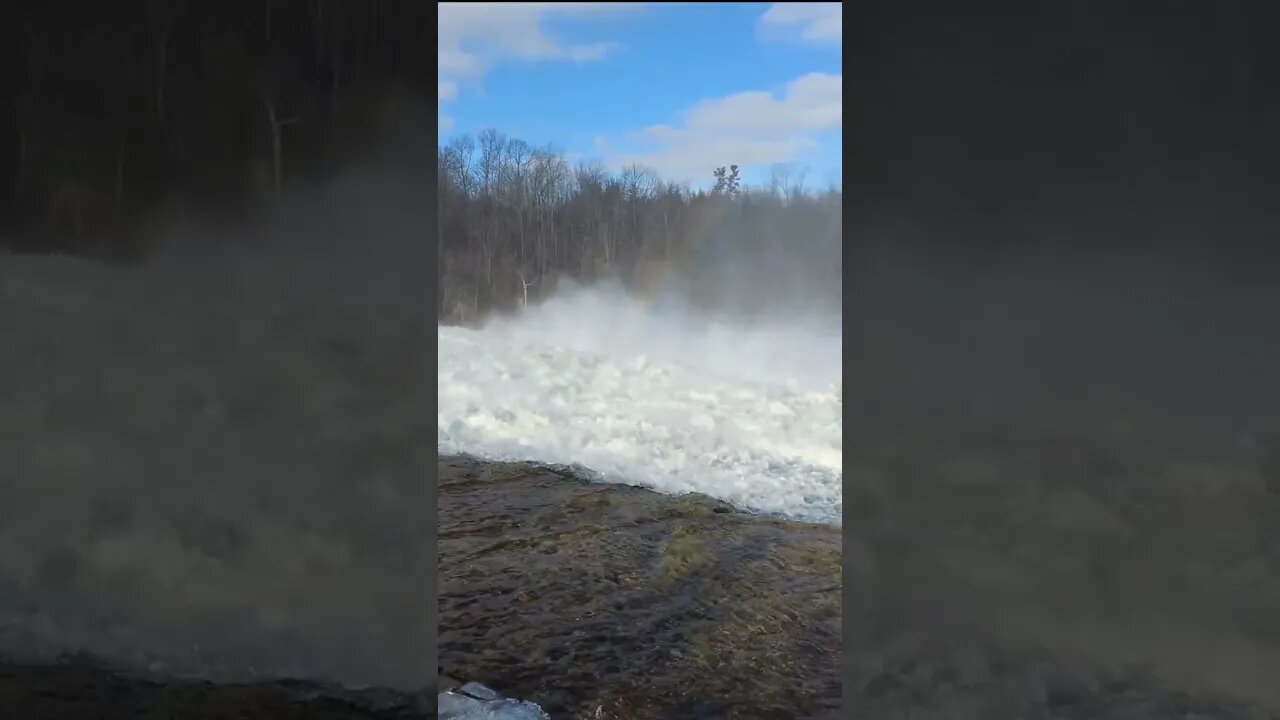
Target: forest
pixel 117 112
pixel 517 219
pixel 114 110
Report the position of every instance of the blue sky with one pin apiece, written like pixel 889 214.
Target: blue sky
pixel 682 88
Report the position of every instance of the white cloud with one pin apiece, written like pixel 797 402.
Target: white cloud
pixel 475 36
pixel 748 129
pixel 446 91
pixel 809 21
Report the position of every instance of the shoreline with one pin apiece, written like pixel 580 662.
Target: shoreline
pixel 614 601
pixel 72 687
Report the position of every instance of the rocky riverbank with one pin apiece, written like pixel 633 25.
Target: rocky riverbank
pixel 608 601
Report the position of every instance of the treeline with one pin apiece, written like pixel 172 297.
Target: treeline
pixel 515 219
pixel 112 109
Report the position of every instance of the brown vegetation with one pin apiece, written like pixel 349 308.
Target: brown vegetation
pixel 515 219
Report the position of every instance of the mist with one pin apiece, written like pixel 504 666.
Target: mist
pixel 757 297
pixel 1169 339
pixel 1062 347
pixel 1081 435
pixel 721 376
pixel 216 459
pixel 606 319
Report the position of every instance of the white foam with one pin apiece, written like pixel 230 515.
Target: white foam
pixel 750 415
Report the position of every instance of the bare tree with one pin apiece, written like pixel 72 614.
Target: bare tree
pixel 147 101
pixel 162 16
pixel 273 82
pixel 515 218
pixel 26 121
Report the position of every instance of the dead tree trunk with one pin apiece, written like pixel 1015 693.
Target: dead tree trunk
pixel 162 23
pixel 20 168
pixel 524 289
pixel 277 162
pixel 122 143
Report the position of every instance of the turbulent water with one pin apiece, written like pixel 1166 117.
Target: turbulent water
pixel 747 413
pixel 208 475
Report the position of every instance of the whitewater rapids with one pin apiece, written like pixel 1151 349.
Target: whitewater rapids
pixel 749 415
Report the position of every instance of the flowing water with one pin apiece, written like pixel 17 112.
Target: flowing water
pixel 640 510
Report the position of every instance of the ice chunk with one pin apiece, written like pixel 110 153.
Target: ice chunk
pixel 664 415
pixel 475 701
